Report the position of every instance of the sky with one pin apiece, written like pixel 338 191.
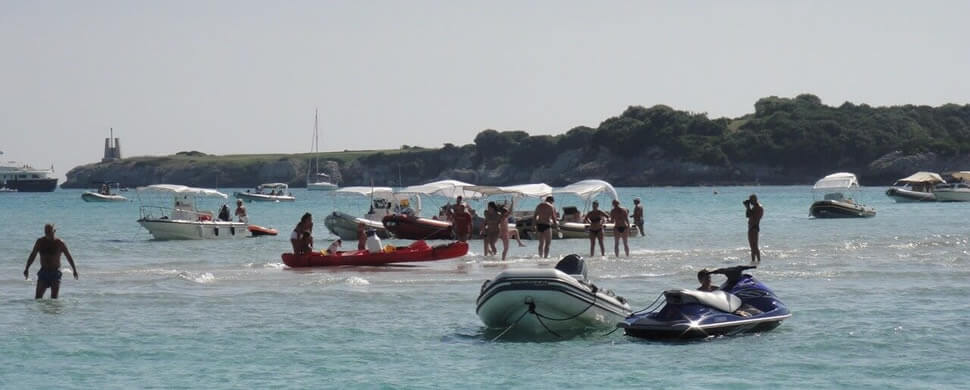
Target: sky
pixel 232 77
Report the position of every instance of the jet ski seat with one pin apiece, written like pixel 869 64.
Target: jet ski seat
pixel 573 265
pixel 720 300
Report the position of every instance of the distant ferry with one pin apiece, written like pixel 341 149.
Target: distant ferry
pixel 24 178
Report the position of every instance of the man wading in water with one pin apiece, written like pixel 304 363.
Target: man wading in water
pixel 50 249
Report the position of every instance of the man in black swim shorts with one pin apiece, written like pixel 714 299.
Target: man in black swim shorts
pixel 50 249
pixel 545 219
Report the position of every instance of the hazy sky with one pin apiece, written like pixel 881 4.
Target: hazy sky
pixel 245 76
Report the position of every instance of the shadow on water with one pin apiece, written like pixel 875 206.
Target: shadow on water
pixel 485 335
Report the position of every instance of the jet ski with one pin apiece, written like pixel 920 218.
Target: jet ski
pixel 535 302
pixel 742 304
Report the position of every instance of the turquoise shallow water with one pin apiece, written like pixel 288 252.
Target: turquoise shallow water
pixel 877 303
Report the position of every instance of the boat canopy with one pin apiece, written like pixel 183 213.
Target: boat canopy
pixel 588 189
pixel 445 188
pixel 837 181
pixel 922 177
pixel 529 190
pixel 962 175
pixel 182 190
pixel 274 185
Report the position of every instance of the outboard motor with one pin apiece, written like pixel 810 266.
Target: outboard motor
pixel 573 265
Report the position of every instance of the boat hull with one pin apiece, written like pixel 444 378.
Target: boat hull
pixel 902 195
pixel 416 252
pixel 534 302
pixel 251 197
pixel 649 328
pixel 37 185
pixel 836 209
pixel 946 195
pixel 167 229
pixel 323 186
pixel 344 225
pixel 96 197
pixel 409 228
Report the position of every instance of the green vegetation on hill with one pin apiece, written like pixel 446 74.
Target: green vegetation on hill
pixel 784 140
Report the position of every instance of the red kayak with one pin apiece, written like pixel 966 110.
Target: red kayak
pixel 410 228
pixel 418 251
pixel 257 231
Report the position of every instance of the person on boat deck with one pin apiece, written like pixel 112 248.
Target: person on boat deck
pixel 361 236
pixel 461 221
pixel 638 216
pixel 104 190
pixel 50 249
pixel 241 211
pixel 596 218
pixel 334 247
pixel 621 228
pixel 545 220
pixel 224 213
pixel 753 211
pixel 404 208
pixel 490 230
pixel 302 236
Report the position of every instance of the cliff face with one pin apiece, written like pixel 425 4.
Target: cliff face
pixel 652 168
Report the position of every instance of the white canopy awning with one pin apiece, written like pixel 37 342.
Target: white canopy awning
pixel 182 190
pixel 837 181
pixel 531 190
pixel 445 188
pixel 922 177
pixel 588 189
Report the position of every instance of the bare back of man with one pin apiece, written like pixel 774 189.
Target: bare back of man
pixel 621 228
pixel 545 219
pixel 50 249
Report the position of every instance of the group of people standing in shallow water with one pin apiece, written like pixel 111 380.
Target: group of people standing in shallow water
pixel 51 248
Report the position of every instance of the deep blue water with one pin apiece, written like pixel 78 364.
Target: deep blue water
pixel 877 303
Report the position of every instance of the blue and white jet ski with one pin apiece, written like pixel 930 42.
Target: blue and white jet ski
pixel 742 304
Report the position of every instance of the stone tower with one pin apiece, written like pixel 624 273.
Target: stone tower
pixel 112 150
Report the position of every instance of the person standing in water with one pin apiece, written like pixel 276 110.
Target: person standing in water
pixel 545 220
pixel 621 228
pixel 461 221
pixel 50 249
pixel 491 229
pixel 504 232
pixel 638 216
pixel 754 212
pixel 596 218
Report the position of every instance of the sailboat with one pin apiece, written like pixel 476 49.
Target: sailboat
pixel 319 181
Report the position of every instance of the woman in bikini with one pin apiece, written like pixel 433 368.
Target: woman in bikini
pixel 621 228
pixel 596 218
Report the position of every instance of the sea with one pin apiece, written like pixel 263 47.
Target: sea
pixel 877 303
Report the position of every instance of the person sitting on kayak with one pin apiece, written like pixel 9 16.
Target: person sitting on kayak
pixel 334 247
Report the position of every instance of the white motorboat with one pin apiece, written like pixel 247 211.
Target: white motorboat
pixel 559 301
pixel 268 192
pixel 383 202
pixel 957 191
pixel 25 178
pixel 835 203
pixel 917 187
pixel 319 181
pixel 571 223
pixel 7 190
pixel 108 192
pixel 183 221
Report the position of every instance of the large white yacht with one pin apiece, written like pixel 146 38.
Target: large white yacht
pixel 25 178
